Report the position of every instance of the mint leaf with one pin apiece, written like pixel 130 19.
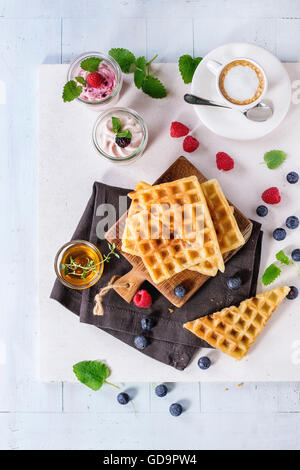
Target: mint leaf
pixel 81 80
pixel 93 374
pixel 282 257
pixel 274 158
pixel 139 77
pixel 116 124
pixel 141 63
pixel 124 57
pixel 125 133
pixel 187 66
pixel 153 87
pixel 71 91
pixel 270 274
pixel 91 64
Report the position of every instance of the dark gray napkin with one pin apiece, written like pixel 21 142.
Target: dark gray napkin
pixel 170 343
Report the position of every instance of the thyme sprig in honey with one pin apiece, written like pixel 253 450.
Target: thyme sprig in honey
pixel 72 267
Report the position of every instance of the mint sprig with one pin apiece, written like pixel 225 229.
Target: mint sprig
pixel 93 374
pixel 273 271
pixel 274 158
pixel 143 79
pixel 117 128
pixel 187 66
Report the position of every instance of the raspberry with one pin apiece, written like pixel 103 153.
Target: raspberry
pixel 271 196
pixel 94 80
pixel 190 144
pixel 142 299
pixel 178 129
pixel 224 161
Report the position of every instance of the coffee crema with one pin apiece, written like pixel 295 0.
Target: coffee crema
pixel 241 82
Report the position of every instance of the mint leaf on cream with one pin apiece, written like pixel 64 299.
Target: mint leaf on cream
pixel 116 124
pixel 81 80
pixel 91 64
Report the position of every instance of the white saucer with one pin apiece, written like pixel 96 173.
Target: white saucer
pixel 232 124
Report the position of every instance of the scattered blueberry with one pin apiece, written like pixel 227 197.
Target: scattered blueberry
pixel 123 398
pixel 262 211
pixel 292 222
pixel 180 291
pixel 279 234
pixel 147 323
pixel 204 363
pixel 296 254
pixel 234 283
pixel 141 341
pixel 293 294
pixel 161 390
pixel 292 177
pixel 123 141
pixel 175 409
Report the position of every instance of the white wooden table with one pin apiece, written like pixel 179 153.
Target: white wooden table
pixel 68 416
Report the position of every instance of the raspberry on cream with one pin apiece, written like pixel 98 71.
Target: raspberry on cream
pixel 107 84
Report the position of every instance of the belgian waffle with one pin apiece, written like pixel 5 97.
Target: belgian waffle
pixel 233 330
pixel 227 230
pixel 162 257
pixel 186 191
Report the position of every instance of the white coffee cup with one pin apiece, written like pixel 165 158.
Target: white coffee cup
pixel 217 68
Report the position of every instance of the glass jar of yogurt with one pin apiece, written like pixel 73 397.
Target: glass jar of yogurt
pixel 120 135
pixel 104 90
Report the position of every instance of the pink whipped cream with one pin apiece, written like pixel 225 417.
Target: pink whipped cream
pixel 107 137
pixel 108 83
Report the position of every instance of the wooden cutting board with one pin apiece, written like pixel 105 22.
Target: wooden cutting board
pixel 191 280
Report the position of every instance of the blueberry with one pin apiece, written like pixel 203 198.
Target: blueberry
pixel 123 141
pixel 123 398
pixel 292 177
pixel 147 323
pixel 234 283
pixel 262 211
pixel 292 222
pixel 175 409
pixel 296 254
pixel 161 390
pixel 293 294
pixel 279 234
pixel 180 291
pixel 141 341
pixel 204 363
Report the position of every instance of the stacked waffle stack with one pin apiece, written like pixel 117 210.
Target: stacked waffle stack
pixel 180 225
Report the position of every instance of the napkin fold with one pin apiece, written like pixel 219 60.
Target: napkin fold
pixel 170 343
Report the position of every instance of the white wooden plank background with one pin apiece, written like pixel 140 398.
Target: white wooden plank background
pixel 66 416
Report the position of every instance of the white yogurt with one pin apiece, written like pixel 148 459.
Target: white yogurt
pixel 107 137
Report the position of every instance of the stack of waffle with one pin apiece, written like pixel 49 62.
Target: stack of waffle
pixel 180 225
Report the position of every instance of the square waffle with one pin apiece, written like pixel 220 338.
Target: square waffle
pixel 227 230
pixel 186 191
pixel 162 257
pixel 233 330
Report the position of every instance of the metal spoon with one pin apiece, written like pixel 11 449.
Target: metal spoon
pixel 259 113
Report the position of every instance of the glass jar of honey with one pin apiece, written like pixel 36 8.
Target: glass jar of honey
pixel 79 264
